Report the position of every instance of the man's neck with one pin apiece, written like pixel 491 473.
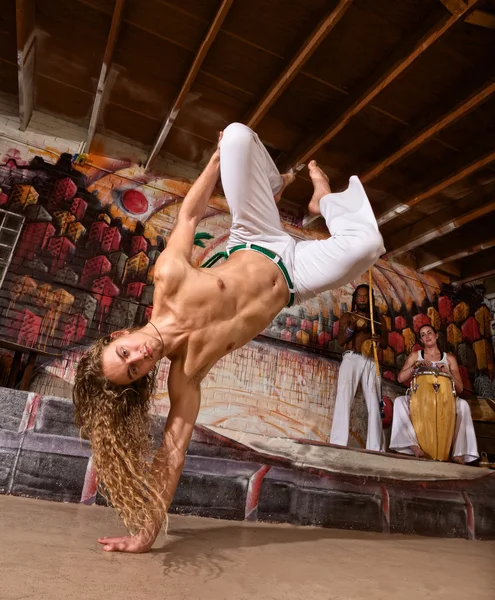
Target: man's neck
pixel 167 333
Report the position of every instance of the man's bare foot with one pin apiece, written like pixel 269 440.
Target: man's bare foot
pixel 458 459
pixel 321 187
pixel 287 179
pixel 418 453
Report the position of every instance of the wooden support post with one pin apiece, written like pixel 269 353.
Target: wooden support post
pixel 105 70
pixel 191 76
pixel 26 53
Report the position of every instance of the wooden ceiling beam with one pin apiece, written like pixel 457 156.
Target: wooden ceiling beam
pixel 402 207
pixel 475 275
pixel 26 54
pixel 448 267
pixel 433 228
pixel 431 263
pixel 479 266
pixel 431 130
pixel 451 269
pixel 191 76
pixel 477 17
pixel 305 52
pixel 403 59
pixel 105 70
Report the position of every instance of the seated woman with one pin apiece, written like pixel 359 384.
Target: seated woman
pixel 403 439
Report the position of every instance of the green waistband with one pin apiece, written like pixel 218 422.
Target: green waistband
pixel 268 253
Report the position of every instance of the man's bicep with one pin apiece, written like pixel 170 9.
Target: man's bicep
pixel 181 239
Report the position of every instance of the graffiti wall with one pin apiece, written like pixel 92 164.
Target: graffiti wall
pixel 83 267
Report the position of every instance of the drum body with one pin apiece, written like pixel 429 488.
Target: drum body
pixel 433 412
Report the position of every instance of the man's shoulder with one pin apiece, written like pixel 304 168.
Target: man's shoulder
pixel 171 267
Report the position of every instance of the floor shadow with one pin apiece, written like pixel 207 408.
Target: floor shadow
pixel 207 551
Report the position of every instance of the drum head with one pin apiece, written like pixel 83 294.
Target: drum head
pixel 431 371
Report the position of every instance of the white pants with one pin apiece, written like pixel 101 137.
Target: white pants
pixel 356 368
pixel 250 179
pixel 404 436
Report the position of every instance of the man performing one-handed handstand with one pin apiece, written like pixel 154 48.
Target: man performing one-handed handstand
pixel 200 315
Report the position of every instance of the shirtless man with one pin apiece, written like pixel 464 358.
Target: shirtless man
pixel 200 315
pixel 354 333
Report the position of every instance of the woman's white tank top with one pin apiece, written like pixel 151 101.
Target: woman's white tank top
pixel 443 360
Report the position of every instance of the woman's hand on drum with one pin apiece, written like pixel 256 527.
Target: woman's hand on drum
pixel 424 363
pixel 444 368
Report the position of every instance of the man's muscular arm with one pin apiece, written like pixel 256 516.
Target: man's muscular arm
pixel 185 398
pixel 347 326
pixel 181 240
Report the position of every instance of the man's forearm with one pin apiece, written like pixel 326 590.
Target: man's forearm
pixel 196 200
pixel 168 464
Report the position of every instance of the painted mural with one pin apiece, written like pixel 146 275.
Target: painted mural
pixel 252 477
pixel 84 267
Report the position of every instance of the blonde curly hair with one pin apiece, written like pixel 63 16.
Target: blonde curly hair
pixel 115 419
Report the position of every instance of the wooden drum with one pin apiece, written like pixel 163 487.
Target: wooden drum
pixel 433 411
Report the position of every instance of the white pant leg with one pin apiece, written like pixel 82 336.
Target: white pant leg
pixel 403 434
pixel 465 444
pixel 371 391
pixel 354 246
pixel 349 376
pixel 250 179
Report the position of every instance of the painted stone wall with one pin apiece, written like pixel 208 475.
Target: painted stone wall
pixel 84 267
pixel 254 479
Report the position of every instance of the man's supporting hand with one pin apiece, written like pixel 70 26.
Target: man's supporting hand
pixel 136 544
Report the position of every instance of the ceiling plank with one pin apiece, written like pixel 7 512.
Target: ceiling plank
pixel 403 59
pixel 186 86
pixel 105 70
pixel 426 230
pixel 431 130
pixel 448 267
pixel 26 54
pixel 402 207
pixel 479 266
pixel 477 17
pixel 431 263
pixel 451 269
pixel 310 45
pixel 474 276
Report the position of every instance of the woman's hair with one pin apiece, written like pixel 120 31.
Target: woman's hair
pixel 116 422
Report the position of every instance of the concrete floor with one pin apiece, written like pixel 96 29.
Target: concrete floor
pixel 49 551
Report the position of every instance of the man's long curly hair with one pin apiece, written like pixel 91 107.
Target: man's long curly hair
pixel 116 422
